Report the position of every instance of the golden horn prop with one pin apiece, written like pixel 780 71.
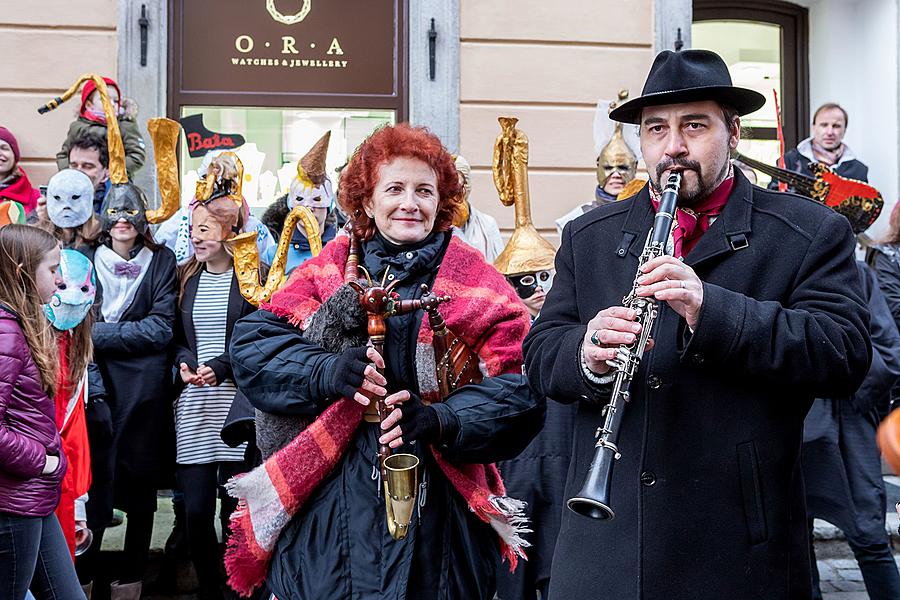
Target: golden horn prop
pixel 526 251
pixel 246 256
pixel 164 134
pixel 117 172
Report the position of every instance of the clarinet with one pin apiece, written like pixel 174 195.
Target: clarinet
pixel 593 499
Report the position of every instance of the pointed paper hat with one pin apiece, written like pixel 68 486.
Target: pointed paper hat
pixel 527 251
pixel 311 168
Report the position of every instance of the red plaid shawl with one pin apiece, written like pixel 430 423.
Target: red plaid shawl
pixel 484 311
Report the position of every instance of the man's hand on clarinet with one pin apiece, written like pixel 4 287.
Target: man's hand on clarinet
pixel 611 328
pixel 670 280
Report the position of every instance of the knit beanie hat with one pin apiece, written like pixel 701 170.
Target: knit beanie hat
pixel 7 136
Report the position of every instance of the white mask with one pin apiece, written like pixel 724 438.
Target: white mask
pixel 70 198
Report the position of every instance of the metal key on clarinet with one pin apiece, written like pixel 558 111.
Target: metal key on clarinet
pixel 594 498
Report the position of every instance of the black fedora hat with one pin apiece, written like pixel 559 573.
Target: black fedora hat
pixel 688 76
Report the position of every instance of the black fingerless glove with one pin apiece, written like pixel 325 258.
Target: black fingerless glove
pixel 419 423
pixel 347 373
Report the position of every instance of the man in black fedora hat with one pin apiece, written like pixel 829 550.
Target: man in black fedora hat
pixel 760 310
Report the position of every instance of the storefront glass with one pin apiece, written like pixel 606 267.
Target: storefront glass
pixel 275 139
pixel 753 53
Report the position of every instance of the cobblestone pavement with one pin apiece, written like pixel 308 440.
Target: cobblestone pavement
pixel 839 574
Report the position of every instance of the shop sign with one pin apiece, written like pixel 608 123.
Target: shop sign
pixel 321 47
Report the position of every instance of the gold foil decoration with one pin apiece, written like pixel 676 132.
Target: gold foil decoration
pixel 465 178
pixel 246 256
pixel 617 154
pixel 527 251
pixel 227 166
pixel 164 135
pixel 631 188
pixel 117 173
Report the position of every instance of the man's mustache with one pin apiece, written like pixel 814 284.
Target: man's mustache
pixel 685 164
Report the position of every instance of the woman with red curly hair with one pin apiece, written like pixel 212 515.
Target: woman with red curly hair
pixel 312 518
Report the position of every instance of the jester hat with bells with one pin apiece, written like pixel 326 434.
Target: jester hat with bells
pixel 125 200
pixel 527 254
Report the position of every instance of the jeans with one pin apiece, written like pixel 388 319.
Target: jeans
pixel 33 552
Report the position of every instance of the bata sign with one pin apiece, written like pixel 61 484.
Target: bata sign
pixel 296 47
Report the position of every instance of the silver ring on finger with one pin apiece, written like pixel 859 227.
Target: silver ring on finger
pixel 595 338
pixel 682 284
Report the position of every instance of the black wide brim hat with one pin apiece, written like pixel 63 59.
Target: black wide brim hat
pixel 688 76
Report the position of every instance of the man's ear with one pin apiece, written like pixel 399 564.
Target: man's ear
pixel 735 135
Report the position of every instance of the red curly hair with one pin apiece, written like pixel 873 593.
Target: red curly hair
pixel 359 177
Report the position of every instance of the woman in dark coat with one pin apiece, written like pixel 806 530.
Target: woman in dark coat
pixel 210 303
pixel 884 258
pixel 136 293
pixel 402 188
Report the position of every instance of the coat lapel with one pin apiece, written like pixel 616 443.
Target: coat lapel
pixel 637 225
pixel 187 310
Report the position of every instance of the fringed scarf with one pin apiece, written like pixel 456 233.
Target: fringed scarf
pixel 484 312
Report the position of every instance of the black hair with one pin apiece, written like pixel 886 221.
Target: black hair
pixel 87 140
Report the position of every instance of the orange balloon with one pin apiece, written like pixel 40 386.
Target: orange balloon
pixel 889 440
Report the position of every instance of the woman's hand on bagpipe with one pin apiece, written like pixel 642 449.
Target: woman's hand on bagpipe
pixel 409 421
pixel 355 372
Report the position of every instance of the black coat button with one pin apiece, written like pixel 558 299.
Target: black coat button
pixel 698 358
pixel 654 382
pixel 648 479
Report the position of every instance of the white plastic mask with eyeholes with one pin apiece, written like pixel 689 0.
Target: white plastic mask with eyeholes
pixel 70 198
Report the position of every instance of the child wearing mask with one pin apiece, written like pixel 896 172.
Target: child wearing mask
pixel 92 119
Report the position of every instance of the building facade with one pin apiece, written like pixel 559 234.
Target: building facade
pixel 278 73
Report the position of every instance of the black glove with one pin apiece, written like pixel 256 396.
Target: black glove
pixel 419 423
pixel 347 373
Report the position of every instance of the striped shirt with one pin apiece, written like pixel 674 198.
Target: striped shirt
pixel 200 412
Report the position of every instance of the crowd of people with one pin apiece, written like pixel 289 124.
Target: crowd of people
pixel 393 402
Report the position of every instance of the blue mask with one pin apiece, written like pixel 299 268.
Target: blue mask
pixel 75 294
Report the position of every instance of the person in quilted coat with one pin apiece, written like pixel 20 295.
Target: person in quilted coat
pixel 33 550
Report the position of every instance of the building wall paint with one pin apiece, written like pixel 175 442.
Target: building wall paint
pixel 547 63
pixel 48 44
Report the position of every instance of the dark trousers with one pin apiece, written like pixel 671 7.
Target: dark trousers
pixel 138 534
pixel 876 563
pixel 33 552
pixel 200 484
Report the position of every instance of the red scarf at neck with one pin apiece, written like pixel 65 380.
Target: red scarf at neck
pixel 20 190
pixel 691 223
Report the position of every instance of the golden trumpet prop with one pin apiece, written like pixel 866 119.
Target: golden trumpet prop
pixel 246 256
pixel 526 251
pixel 164 135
